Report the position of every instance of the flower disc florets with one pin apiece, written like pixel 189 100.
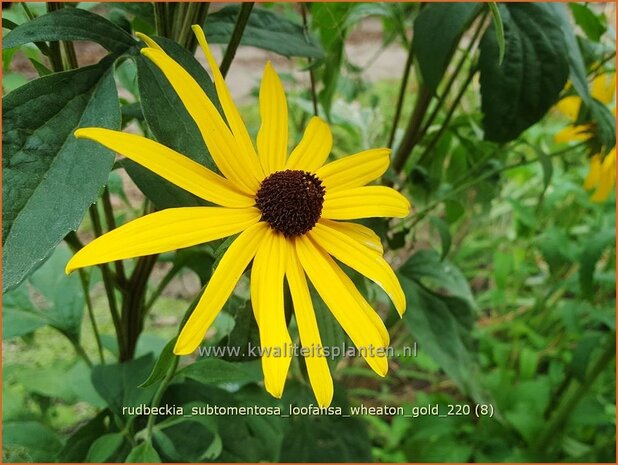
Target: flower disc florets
pixel 291 201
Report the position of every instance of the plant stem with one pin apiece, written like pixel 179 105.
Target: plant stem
pixel 402 94
pixel 171 371
pixel 412 130
pixel 454 75
pixel 108 282
pixel 239 28
pixel 418 216
pixel 557 422
pixel 162 285
pixel 97 337
pixel 55 56
pixel 314 95
pixel 80 351
pixel 111 224
pixel 448 117
pixel 160 15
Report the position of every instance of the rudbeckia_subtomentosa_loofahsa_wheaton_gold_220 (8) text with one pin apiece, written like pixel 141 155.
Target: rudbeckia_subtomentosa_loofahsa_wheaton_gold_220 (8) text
pixel 289 213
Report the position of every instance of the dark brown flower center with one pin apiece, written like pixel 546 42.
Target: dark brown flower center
pixel 291 201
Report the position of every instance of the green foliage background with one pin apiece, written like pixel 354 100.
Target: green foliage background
pixel 508 267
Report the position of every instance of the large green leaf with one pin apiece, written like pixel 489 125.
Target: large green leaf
pixel 70 24
pixel 170 124
pixel 119 383
pixel 50 178
pixel 433 49
pixel 217 371
pixel 440 317
pixel 517 93
pixel 29 441
pixel 61 303
pixel 265 29
pixel 312 438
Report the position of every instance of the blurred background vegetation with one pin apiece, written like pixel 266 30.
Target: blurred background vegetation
pixel 508 264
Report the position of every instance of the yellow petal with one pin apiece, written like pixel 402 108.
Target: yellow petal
pixel 220 286
pixel 594 173
pixel 603 87
pixel 176 168
pixel 163 231
pixel 232 115
pixel 365 202
pixel 578 133
pixel 235 164
pixel 607 179
pixel 317 365
pixel 345 249
pixel 361 234
pixel 354 170
pixel 335 288
pixel 148 41
pixel 569 106
pixel 272 138
pixel 267 300
pixel 313 149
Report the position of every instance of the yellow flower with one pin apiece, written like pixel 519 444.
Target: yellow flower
pixel 602 171
pixel 287 210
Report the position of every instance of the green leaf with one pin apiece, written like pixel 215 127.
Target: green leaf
pixel 217 371
pixel 577 73
pixel 170 124
pixel 426 267
pixel 189 439
pixel 70 24
pixel 593 25
pixel 331 333
pixel 119 383
pixel 436 324
pixel 143 453
pixel 61 302
pixel 105 447
pixel 434 50
pixel 444 233
pixel 499 27
pixel 605 125
pixel 29 441
pixel 329 20
pixel 518 93
pixel 165 360
pixel 323 438
pixel 265 29
pixel 50 177
pixel 590 255
pixel 78 444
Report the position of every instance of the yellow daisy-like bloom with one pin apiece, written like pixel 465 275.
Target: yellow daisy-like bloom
pixel 287 210
pixel 601 176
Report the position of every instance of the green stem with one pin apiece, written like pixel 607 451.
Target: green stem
pixel 171 371
pixel 412 130
pixel 95 329
pixel 80 351
pixel 160 15
pixel 162 285
pixel 239 28
pixel 402 94
pixel 448 117
pixel 55 56
pixel 564 410
pixel 108 283
pixel 314 95
pixel 418 216
pixel 108 211
pixel 454 75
